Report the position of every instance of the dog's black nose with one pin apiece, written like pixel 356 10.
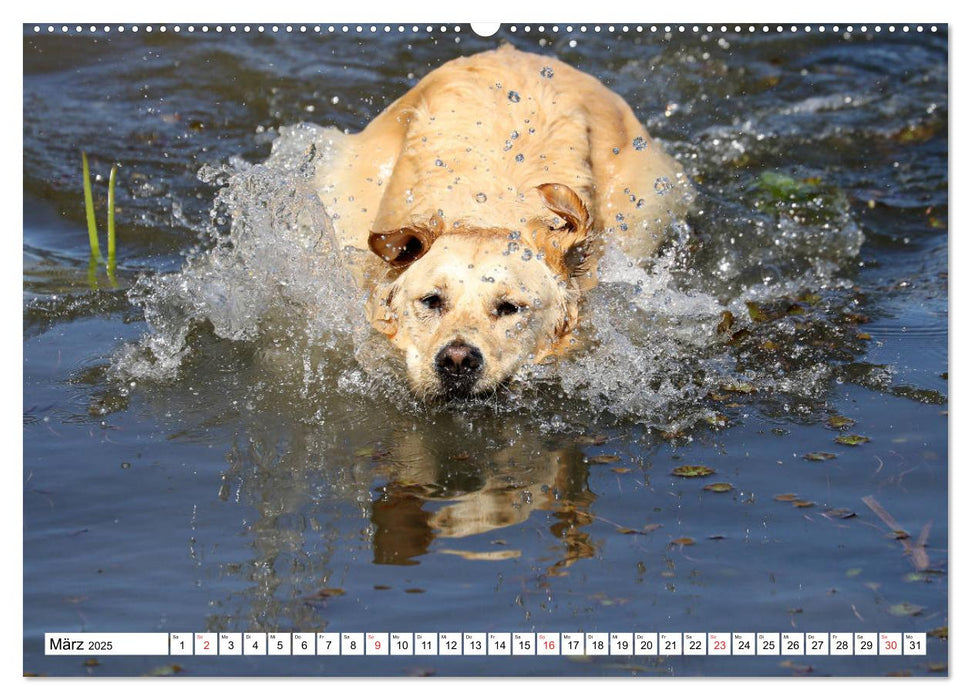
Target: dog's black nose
pixel 459 365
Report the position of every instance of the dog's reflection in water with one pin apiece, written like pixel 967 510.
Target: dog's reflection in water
pixel 436 490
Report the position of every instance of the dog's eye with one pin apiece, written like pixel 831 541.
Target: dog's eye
pixel 432 301
pixel 506 308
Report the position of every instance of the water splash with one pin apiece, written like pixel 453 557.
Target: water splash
pixel 277 265
pixel 653 347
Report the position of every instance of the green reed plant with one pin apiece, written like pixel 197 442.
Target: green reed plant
pixel 111 262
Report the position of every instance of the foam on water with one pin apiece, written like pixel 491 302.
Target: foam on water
pixel 271 277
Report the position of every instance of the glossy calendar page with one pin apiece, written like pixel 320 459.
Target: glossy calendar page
pixel 546 349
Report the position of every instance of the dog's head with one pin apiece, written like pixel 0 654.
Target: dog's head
pixel 470 306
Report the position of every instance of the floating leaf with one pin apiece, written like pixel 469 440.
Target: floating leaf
pixel 620 470
pixel 739 387
pixel 720 487
pixel 852 440
pixel 779 186
pixel 628 531
pixel 651 527
pixel 905 609
pixel 842 513
pixel 803 504
pixel 691 471
pixel 938 632
pixel 818 456
pixel 837 422
pixel 672 433
pixel 420 672
pixel 786 497
pixel 461 456
pixel 683 541
pixel 328 593
pixel 937 666
pixel 853 573
pixel 165 670
pixel 603 459
pixel 718 420
pixel 727 319
pixel 590 439
pixel 915 133
pixel 755 312
pixel 740 335
pixel 477 556
pixel 796 668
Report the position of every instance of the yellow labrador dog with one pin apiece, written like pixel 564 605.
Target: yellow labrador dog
pixel 484 195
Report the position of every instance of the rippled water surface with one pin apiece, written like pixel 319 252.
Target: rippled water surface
pixel 214 439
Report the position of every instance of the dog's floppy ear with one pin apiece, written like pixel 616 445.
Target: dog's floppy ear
pixel 566 203
pixel 405 245
pixel 562 335
pixel 557 243
pixel 380 313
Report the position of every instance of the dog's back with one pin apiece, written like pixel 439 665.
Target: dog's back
pixel 473 139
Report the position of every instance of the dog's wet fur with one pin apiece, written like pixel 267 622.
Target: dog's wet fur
pixel 485 195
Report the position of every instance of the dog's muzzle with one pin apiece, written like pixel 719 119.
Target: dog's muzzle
pixel 459 366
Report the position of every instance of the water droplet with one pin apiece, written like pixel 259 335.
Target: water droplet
pixel 481 197
pixel 520 157
pixel 514 135
pixel 616 151
pixel 546 72
pixel 663 185
pixel 527 254
pixel 508 146
pixel 639 143
pixel 514 235
pixel 439 163
pixel 513 96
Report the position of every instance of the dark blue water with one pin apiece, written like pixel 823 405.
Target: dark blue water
pixel 196 487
